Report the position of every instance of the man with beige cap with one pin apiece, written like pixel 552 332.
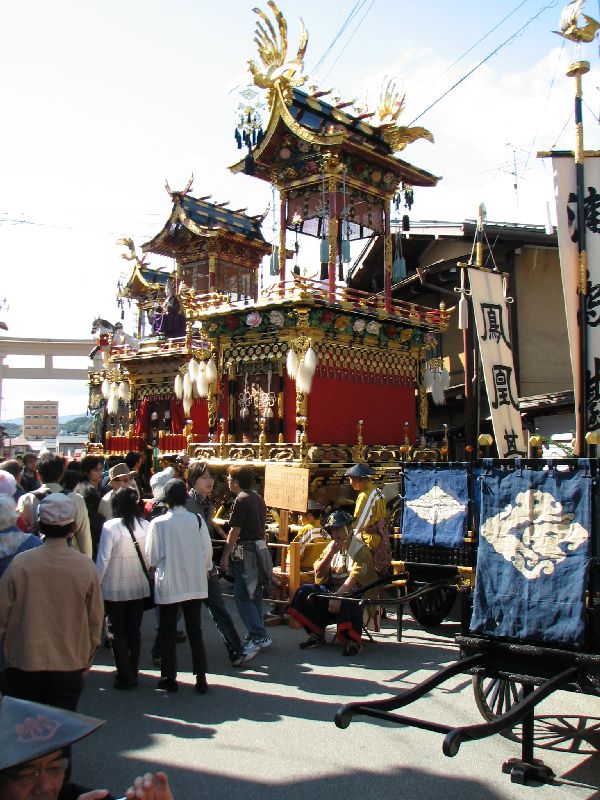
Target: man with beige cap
pixel 118 476
pixel 50 613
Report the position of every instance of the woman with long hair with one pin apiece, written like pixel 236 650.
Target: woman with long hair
pixel 124 582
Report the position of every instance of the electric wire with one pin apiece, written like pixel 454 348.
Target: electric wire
pixel 362 19
pixel 353 12
pixel 484 37
pixel 496 50
pixel 535 135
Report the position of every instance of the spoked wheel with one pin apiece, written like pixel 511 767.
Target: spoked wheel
pixel 432 608
pixel 496 696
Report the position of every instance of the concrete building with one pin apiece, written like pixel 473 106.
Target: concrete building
pixel 40 419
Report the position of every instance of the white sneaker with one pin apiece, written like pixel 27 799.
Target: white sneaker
pixel 263 643
pixel 250 651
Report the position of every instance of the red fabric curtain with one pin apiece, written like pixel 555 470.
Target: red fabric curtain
pixel 199 416
pixel 141 419
pixel 335 406
pixel 177 416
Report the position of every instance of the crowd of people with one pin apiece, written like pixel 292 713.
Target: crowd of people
pixel 99 554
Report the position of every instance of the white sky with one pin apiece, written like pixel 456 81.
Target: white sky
pixel 104 100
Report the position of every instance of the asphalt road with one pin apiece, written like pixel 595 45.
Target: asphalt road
pixel 267 731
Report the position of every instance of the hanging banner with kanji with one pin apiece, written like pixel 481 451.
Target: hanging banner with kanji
pixel 565 189
pixel 493 337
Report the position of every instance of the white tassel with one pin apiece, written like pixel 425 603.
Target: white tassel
pixel 310 360
pixel 187 386
pixel 428 379
pixel 193 368
pixel 113 401
pixel 211 371
pixel 445 379
pixel 437 392
pixel 105 388
pixel 202 384
pixel 124 391
pixel 187 405
pixel 291 363
pixel 178 386
pixel 463 313
pixel 303 378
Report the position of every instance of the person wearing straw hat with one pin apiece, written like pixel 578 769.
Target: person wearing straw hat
pixel 34 742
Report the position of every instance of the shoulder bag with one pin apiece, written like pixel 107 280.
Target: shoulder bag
pixel 148 601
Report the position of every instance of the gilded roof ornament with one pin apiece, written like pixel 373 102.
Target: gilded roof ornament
pixel 125 241
pixel 391 105
pixel 569 29
pixel 272 49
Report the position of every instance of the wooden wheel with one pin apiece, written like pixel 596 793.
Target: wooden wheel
pixel 432 608
pixel 496 696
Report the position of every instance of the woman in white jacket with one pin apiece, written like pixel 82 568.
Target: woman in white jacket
pixel 124 582
pixel 178 546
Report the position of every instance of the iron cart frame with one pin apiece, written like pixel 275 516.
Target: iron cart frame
pixel 539 670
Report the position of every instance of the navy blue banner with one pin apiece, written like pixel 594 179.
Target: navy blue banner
pixel 533 556
pixel 435 506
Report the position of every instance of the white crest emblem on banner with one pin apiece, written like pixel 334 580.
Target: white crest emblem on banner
pixel 493 335
pixel 535 543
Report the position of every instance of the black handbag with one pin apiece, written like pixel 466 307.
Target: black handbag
pixel 148 601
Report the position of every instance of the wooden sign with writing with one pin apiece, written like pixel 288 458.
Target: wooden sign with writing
pixel 286 487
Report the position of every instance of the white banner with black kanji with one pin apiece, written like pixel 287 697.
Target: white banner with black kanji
pixel 565 189
pixel 493 337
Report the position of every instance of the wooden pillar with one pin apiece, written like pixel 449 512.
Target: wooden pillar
pixel 282 230
pixel 387 256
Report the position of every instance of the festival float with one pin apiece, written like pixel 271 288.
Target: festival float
pixel 304 371
pixel 309 373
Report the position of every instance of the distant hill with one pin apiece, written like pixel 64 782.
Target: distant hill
pixel 75 425
pixel 13 429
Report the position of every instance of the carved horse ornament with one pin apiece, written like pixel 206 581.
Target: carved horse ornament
pixel 108 335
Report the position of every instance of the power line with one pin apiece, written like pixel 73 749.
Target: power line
pixel 487 58
pixel 351 37
pixel 485 36
pixel 354 11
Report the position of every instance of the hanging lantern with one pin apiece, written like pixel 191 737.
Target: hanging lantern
pixel 310 361
pixel 398 269
pixel 105 388
pixel 346 251
pixel 274 261
pixel 211 371
pixel 202 383
pixel 178 386
pixel 193 369
pixel 399 262
pixel 124 391
pixel 187 386
pixel 291 363
pixel 324 251
pixel 303 378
